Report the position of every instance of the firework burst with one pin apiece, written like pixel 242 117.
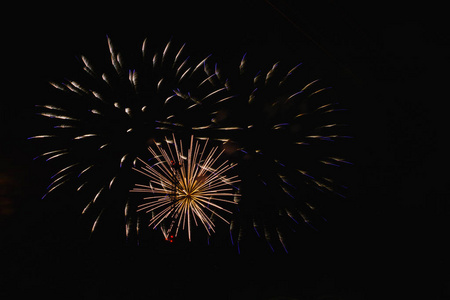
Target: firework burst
pixel 102 121
pixel 286 134
pixel 186 188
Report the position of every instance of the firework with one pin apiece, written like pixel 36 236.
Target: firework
pixel 186 188
pixel 100 123
pixel 281 131
pixel 286 134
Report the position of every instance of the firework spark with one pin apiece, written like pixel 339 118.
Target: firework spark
pixel 186 189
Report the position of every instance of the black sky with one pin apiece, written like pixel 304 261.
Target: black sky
pixel 388 64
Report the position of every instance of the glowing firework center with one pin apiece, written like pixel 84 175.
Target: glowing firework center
pixel 186 189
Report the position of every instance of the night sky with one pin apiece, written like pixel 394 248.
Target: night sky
pixel 388 65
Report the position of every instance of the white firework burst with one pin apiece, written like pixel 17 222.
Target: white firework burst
pixel 186 189
pixel 99 123
pixel 285 133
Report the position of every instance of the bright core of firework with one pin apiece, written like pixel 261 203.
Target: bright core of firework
pixel 186 189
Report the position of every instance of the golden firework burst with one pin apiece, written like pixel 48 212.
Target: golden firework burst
pixel 186 189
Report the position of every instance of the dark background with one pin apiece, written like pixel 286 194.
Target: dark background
pixel 388 63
